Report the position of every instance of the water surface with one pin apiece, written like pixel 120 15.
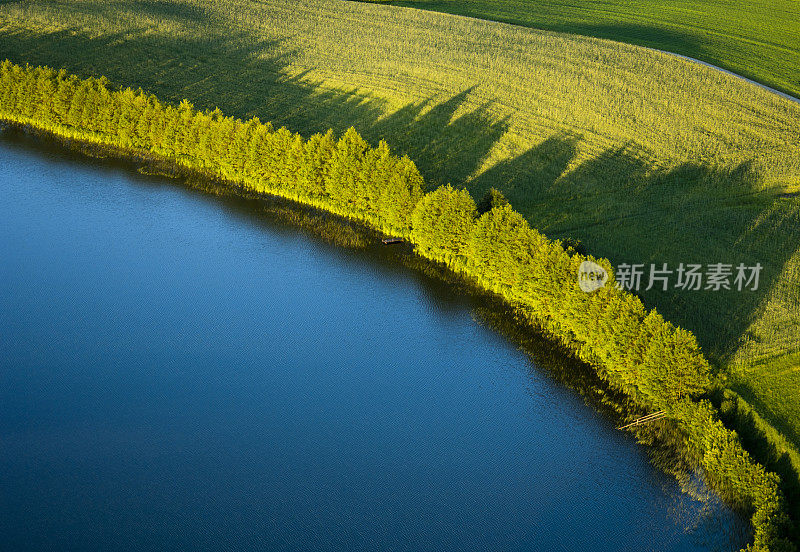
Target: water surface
pixel 180 372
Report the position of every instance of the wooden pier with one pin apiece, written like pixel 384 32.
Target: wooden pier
pixel 645 419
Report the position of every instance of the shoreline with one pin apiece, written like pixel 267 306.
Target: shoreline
pixel 504 318
pixel 495 312
pixel 672 383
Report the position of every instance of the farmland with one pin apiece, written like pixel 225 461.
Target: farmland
pixel 642 157
pixel 754 38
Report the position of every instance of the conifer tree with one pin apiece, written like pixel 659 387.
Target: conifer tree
pixel 442 223
pixel 62 100
pixel 498 245
pixel 346 173
pixel 186 115
pixel 402 189
pixel 319 154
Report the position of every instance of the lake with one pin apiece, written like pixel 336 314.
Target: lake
pixel 180 371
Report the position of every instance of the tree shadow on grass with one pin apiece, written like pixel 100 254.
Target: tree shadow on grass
pixel 526 180
pixel 445 149
pixel 448 139
pixel 622 208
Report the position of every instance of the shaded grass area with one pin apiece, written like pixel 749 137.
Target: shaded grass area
pixel 641 157
pixel 758 39
pixel 767 445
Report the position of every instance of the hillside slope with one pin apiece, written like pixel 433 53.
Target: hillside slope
pixel 759 39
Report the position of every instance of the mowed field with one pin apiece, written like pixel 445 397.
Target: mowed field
pixel 641 156
pixel 759 39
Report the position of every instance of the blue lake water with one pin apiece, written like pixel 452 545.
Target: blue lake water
pixel 180 372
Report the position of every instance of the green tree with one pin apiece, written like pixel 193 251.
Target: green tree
pixel 402 189
pixel 346 175
pixel 319 154
pixel 443 222
pixel 498 246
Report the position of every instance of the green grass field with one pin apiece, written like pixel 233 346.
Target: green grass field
pixel 643 157
pixel 759 39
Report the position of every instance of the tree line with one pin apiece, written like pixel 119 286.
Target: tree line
pixel 345 176
pixel 638 352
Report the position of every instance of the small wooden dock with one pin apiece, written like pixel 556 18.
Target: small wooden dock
pixel 645 419
pixel 392 241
